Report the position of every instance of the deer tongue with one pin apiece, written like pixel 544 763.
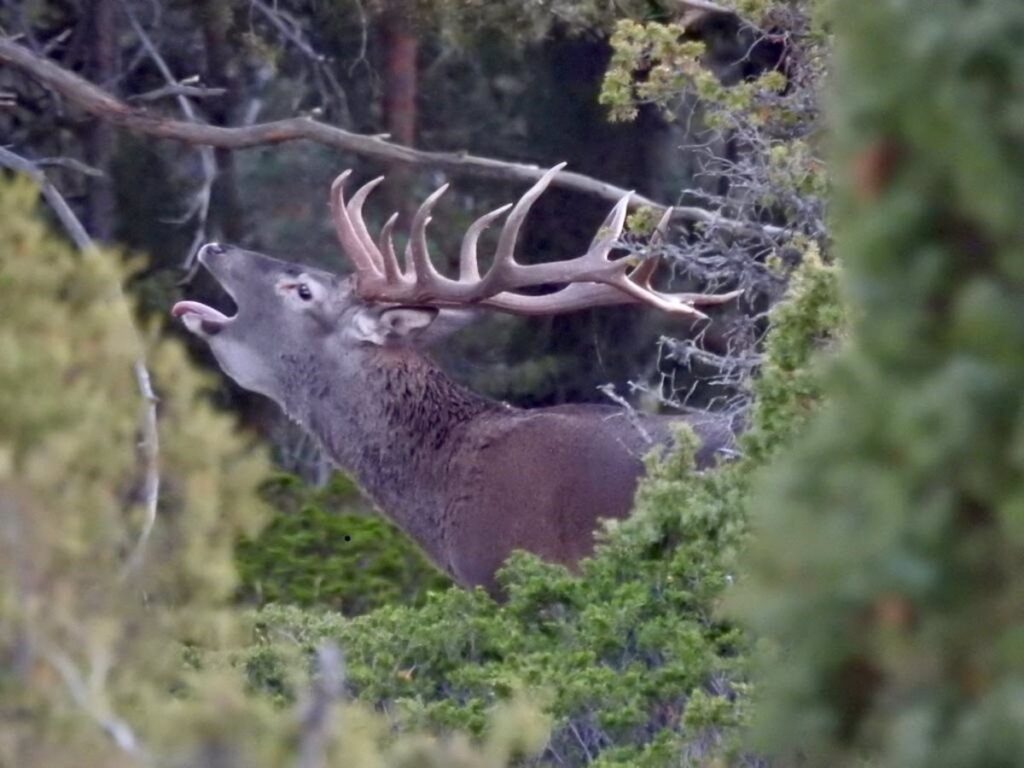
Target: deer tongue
pixel 198 308
pixel 198 316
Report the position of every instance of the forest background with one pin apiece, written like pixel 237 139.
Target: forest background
pixel 185 581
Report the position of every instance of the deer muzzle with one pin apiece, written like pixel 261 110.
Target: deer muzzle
pixel 202 319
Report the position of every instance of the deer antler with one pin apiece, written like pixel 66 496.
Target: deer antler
pixel 592 279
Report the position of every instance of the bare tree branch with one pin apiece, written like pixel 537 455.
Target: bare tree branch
pixel 291 30
pixel 200 207
pixel 149 448
pixel 71 163
pixel 149 445
pixel 314 725
pixel 178 89
pixel 103 105
pixel 60 207
pixel 608 390
pixel 92 703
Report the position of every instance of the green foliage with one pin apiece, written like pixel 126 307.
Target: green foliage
pixel 774 114
pixel 887 574
pixel 672 64
pixel 809 320
pixel 323 548
pixel 73 623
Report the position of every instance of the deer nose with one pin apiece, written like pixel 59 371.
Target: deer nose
pixel 213 249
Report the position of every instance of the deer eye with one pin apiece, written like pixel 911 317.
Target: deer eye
pixel 303 291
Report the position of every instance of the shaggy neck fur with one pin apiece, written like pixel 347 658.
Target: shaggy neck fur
pixel 395 428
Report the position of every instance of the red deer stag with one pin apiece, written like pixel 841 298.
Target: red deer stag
pixel 468 478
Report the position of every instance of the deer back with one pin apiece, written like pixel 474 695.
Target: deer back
pixel 540 480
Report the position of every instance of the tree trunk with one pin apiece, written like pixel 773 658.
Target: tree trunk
pixel 226 220
pixel 400 79
pixel 101 64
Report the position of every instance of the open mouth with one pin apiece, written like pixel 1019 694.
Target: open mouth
pixel 202 318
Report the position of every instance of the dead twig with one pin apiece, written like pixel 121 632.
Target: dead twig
pixel 57 202
pixel 314 725
pixel 176 90
pixel 93 703
pixel 200 207
pixel 71 163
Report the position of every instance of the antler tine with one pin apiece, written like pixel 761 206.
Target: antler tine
pixel 666 302
pixel 392 271
pixel 646 269
pixel 661 228
pixel 579 296
pixel 607 236
pixel 592 266
pixel 469 264
pixel 355 215
pixel 504 256
pixel 416 252
pixel 351 244
pixel 611 228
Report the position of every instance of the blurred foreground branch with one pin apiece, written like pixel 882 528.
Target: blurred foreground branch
pixel 104 106
pixel 91 702
pixel 314 724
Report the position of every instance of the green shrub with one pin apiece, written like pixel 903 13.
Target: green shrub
pixel 887 562
pixel 324 548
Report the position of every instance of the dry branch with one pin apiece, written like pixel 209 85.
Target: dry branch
pixel 104 106
pixel 83 692
pixel 175 90
pixel 200 207
pixel 314 713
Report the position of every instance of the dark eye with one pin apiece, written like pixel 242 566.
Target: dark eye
pixel 304 293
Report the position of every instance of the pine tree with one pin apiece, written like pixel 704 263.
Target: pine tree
pixel 888 568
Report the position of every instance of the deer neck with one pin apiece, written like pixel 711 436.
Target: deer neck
pixel 393 422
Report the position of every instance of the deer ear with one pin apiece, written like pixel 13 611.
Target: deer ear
pixel 392 325
pixel 404 322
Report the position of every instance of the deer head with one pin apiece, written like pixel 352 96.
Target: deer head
pixel 288 312
pixel 291 309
